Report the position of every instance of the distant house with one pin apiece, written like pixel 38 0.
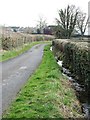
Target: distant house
pixel 28 30
pixel 14 28
pixel 34 30
pixel 49 29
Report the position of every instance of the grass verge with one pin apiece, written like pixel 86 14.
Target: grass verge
pixel 6 55
pixel 47 94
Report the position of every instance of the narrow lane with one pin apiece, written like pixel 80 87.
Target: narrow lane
pixel 15 73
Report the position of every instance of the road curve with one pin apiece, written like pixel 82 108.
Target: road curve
pixel 15 73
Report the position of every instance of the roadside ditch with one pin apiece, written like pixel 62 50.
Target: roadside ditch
pixel 79 88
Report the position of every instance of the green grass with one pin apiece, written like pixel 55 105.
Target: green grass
pixel 6 55
pixel 47 94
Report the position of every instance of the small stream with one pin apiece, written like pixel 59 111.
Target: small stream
pixel 80 89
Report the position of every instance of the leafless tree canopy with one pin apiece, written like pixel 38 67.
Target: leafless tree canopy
pixel 41 24
pixel 67 21
pixel 82 22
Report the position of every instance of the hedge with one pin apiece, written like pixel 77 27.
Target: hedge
pixel 14 40
pixel 76 58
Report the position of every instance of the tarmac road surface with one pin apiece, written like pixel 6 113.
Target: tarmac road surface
pixel 15 73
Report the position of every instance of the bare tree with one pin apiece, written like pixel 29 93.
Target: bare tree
pixel 82 23
pixel 41 24
pixel 67 21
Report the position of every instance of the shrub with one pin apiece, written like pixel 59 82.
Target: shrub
pixel 6 43
pixel 14 39
pixel 76 58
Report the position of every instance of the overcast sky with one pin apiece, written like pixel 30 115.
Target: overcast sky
pixel 26 12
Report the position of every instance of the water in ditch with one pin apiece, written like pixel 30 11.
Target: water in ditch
pixel 80 89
